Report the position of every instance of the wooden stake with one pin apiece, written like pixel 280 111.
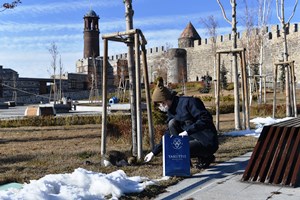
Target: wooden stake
pixel 104 97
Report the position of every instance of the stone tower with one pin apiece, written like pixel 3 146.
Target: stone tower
pixel 188 36
pixel 177 65
pixel 91 35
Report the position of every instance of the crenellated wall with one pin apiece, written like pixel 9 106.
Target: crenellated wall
pixel 200 58
pixel 150 52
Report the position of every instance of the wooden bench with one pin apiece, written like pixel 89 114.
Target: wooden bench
pixel 275 158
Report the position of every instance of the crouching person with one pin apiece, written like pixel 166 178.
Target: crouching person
pixel 187 116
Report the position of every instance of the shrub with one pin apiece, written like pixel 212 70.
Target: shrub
pixel 254 97
pixel 204 90
pixel 191 85
pixel 206 98
pixel 200 86
pixel 224 108
pixel 227 98
pixel 51 121
pixel 267 110
pixel 119 125
pixel 230 86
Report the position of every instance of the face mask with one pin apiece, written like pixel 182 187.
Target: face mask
pixel 163 108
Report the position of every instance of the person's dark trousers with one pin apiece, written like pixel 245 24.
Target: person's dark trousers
pixel 174 127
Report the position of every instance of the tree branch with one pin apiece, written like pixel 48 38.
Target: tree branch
pixel 11 5
pixel 277 11
pixel 293 13
pixel 223 12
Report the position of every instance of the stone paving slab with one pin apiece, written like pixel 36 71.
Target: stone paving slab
pixel 223 181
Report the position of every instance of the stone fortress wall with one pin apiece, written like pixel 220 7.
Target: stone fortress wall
pixel 200 58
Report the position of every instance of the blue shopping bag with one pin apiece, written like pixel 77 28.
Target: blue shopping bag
pixel 176 156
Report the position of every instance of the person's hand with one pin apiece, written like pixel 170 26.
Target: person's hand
pixel 148 157
pixel 184 133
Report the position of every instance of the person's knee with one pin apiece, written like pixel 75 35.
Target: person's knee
pixel 172 123
pixel 174 127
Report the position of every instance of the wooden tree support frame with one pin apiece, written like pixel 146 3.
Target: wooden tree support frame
pixel 139 42
pixel 290 68
pixel 241 53
pixel 121 94
pixel 263 77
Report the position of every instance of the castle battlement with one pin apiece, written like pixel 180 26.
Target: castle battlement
pixel 272 32
pixel 150 51
pixel 198 57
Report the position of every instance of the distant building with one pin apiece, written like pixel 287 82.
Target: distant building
pixel 195 55
pixel 74 85
pixel 90 63
pixel 193 59
pixel 35 90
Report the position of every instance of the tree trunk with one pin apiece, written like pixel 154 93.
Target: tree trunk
pixel 286 58
pixel 131 72
pixel 235 69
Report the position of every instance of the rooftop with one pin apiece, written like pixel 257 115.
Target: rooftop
pixel 190 32
pixel 91 13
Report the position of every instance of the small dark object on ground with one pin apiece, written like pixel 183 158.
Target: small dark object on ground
pixel 204 162
pixel 117 158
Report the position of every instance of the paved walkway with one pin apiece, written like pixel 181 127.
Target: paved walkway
pixel 223 181
pixel 19 111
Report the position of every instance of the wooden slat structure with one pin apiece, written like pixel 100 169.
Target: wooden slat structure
pixel 275 158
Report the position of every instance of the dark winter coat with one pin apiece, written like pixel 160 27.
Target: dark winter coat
pixel 194 118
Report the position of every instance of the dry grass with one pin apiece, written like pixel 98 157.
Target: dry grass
pixel 29 153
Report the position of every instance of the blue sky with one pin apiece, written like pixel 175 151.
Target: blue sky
pixel 27 31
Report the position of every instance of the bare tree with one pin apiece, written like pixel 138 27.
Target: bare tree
pixel 285 25
pixel 250 41
pixel 168 46
pixel 255 40
pixel 233 23
pixel 182 78
pixel 264 10
pixel 131 71
pixel 53 50
pixel 162 71
pixel 11 5
pixel 94 92
pixel 211 26
pixel 61 68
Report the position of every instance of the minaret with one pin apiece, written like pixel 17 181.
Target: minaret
pixel 91 35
